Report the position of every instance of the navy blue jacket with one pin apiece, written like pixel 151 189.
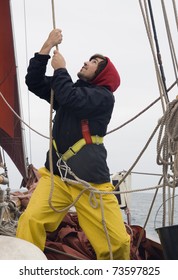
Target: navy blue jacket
pixel 72 103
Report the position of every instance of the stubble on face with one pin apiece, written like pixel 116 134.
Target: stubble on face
pixel 81 75
pixel 87 72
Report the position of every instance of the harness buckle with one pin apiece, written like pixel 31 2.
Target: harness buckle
pixel 70 148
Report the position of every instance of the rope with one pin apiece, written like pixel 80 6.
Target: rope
pixel 86 185
pixel 160 208
pixel 50 123
pixel 167 147
pixel 28 95
pixel 8 229
pixel 136 116
pixel 146 221
pixel 175 12
pixel 148 30
pixel 20 117
pixel 105 228
pixel 49 249
pixel 139 156
pixel 7 75
pixel 50 129
pixel 166 143
pixel 78 180
pixel 157 47
pixel 7 224
pixel 170 41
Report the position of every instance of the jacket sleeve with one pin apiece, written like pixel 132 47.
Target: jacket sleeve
pixel 83 101
pixel 36 80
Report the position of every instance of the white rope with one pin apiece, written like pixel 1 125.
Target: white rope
pixel 175 12
pixel 167 153
pixel 20 117
pixel 170 41
pixel 148 30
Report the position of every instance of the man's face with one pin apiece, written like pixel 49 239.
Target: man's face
pixel 87 72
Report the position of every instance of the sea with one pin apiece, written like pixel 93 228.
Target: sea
pixel 139 209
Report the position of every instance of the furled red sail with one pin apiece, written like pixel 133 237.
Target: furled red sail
pixel 10 126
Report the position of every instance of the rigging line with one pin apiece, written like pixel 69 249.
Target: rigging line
pixel 20 117
pixel 87 186
pixel 2 158
pixel 146 221
pixel 139 156
pixel 159 79
pixel 7 75
pixel 157 47
pixel 146 173
pixel 4 163
pixel 172 85
pixel 166 200
pixel 28 95
pixel 170 41
pixel 143 111
pixel 53 13
pixel 136 116
pixel 175 12
pixel 50 122
pixel 50 126
pixel 53 250
pixel 139 173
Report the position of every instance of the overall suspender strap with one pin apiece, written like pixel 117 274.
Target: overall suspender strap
pixel 86 131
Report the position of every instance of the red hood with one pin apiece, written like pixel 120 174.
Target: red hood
pixel 108 77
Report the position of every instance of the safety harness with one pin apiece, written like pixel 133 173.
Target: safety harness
pixel 87 139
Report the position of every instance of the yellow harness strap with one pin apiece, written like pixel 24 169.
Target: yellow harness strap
pixel 77 146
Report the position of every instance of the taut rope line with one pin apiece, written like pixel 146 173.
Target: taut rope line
pixel 148 30
pixel 175 12
pixel 51 166
pixel 170 41
pixel 20 117
pixel 51 124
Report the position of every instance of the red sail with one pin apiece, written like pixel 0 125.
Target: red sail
pixel 10 126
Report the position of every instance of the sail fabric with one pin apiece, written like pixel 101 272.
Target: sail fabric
pixel 10 126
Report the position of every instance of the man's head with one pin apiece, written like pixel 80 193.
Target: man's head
pixel 92 68
pixel 99 70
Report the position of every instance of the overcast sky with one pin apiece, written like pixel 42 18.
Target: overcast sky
pixel 116 29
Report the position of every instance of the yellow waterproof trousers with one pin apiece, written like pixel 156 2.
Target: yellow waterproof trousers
pixel 39 217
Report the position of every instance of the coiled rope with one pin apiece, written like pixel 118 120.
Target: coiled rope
pixel 167 152
pixel 7 224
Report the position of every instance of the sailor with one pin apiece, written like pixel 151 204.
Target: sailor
pixel 83 112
